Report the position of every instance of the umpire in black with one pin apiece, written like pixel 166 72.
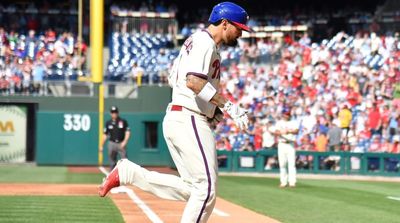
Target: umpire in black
pixel 118 132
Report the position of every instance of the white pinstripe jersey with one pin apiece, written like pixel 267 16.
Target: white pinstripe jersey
pixel 199 56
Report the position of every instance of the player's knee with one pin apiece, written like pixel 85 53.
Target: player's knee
pixel 212 198
pixel 206 190
pixel 127 171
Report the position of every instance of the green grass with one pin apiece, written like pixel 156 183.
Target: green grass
pixel 315 200
pixel 49 209
pixel 311 201
pixel 46 209
pixel 33 174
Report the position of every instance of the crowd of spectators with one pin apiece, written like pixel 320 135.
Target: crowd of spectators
pixel 27 60
pixel 20 16
pixel 344 85
pixel 325 19
pixel 340 91
pixel 142 6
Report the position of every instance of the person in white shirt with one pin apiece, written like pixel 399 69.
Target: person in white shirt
pixel 286 131
pixel 268 139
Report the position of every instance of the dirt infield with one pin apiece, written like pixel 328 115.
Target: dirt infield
pixel 47 189
pixel 170 211
pixel 167 211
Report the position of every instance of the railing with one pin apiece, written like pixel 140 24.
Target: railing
pixel 67 88
pixel 144 22
pixel 265 161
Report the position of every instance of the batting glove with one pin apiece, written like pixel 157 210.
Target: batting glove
pixel 238 114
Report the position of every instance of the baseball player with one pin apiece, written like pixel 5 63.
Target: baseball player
pixel 286 131
pixel 195 80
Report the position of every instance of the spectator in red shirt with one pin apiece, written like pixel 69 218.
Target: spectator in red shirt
pixel 375 120
pixel 288 39
pixel 385 114
pixel 353 97
pixel 296 80
pixel 258 136
pixel 366 133
pixel 306 56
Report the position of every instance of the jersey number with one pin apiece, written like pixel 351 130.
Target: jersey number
pixel 216 65
pixel 188 44
pixel 76 122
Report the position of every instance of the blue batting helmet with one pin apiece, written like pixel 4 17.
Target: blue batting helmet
pixel 232 12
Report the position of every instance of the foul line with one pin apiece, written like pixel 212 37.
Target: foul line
pixel 150 214
pixel 394 198
pixel 220 213
pixel 103 170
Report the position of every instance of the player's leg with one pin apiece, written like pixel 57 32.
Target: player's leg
pixel 291 154
pixel 166 186
pixel 112 180
pixel 200 161
pixel 282 158
pixel 178 135
pixel 196 161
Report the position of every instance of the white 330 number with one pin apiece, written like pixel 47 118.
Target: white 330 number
pixel 76 122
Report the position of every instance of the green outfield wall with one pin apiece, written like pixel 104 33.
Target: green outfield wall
pixel 349 163
pixel 66 128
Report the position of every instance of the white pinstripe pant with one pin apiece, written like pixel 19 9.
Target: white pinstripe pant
pixel 192 146
pixel 287 163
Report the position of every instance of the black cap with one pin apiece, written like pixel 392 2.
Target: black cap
pixel 114 109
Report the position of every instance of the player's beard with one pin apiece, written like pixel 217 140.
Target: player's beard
pixel 233 42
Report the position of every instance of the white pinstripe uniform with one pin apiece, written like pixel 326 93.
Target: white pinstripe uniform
pixel 287 152
pixel 188 135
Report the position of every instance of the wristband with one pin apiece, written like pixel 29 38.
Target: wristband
pixel 207 92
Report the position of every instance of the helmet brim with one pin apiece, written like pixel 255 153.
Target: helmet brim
pixel 241 26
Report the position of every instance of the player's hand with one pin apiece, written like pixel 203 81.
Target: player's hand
pixel 218 116
pixel 101 149
pixel 123 145
pixel 242 122
pixel 238 114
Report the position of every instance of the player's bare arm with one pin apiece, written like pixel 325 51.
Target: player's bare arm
pixel 196 84
pixel 202 88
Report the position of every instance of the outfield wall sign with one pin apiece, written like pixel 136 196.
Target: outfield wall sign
pixel 13 132
pixel 76 122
